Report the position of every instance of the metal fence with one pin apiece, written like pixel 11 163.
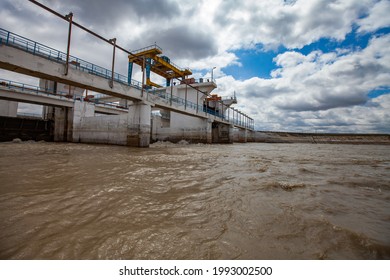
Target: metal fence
pixel 11 39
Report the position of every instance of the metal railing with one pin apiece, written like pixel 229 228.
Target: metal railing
pixel 30 89
pixel 167 98
pixel 162 96
pixel 11 39
pixel 154 46
pixel 35 90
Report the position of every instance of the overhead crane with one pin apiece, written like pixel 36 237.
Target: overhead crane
pixel 151 59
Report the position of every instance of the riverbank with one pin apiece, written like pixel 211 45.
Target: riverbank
pixel 321 138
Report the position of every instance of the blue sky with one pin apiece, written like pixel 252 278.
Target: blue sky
pixel 259 62
pixel 253 63
pixel 298 65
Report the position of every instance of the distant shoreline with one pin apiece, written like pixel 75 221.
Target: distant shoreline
pixel 321 138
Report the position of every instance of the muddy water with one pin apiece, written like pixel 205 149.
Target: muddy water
pixel 241 201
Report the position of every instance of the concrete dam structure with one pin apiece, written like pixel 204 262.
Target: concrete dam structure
pixel 90 104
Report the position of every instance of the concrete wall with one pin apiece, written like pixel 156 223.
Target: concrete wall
pixel 321 138
pixel 132 129
pixel 109 129
pixel 63 124
pixel 241 135
pixel 8 108
pixel 251 136
pixel 222 133
pixel 182 127
pixel 139 125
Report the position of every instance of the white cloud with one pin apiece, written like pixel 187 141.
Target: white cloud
pixel 294 25
pixel 321 90
pixel 378 17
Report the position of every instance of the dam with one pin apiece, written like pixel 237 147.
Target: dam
pixel 87 103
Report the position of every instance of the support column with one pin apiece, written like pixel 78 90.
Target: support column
pixel 148 65
pixel 139 125
pixel 81 110
pixel 63 124
pixel 242 135
pixel 251 136
pixel 8 108
pixel 209 131
pixel 129 72
pixel 222 133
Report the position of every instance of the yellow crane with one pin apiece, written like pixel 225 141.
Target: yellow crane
pixel 151 59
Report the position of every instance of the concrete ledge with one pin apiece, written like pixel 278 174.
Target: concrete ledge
pixel 321 138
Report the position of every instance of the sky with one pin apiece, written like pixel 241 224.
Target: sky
pixel 295 65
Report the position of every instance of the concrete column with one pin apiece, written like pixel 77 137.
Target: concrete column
pixel 242 135
pixel 80 110
pixel 63 124
pixel 209 131
pixel 251 136
pixel 8 108
pixel 129 72
pixel 48 112
pixel 124 103
pixel 222 133
pixel 139 125
pixel 68 121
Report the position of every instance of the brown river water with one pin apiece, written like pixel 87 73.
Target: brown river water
pixel 240 201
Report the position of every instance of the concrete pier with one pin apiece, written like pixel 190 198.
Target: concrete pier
pixel 139 125
pixel 8 108
pixel 222 133
pixel 80 125
pixel 63 124
pixel 175 127
pixel 251 136
pixel 242 136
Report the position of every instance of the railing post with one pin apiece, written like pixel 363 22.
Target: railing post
pixel 171 93
pixel 113 41
pixel 197 101
pixel 7 38
pixel 185 105
pixel 69 18
pixel 143 76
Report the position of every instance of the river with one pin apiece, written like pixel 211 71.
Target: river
pixel 240 201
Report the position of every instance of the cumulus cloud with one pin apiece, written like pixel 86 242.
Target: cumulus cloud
pixel 378 17
pixel 182 42
pixel 322 90
pixel 292 23
pixel 101 14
